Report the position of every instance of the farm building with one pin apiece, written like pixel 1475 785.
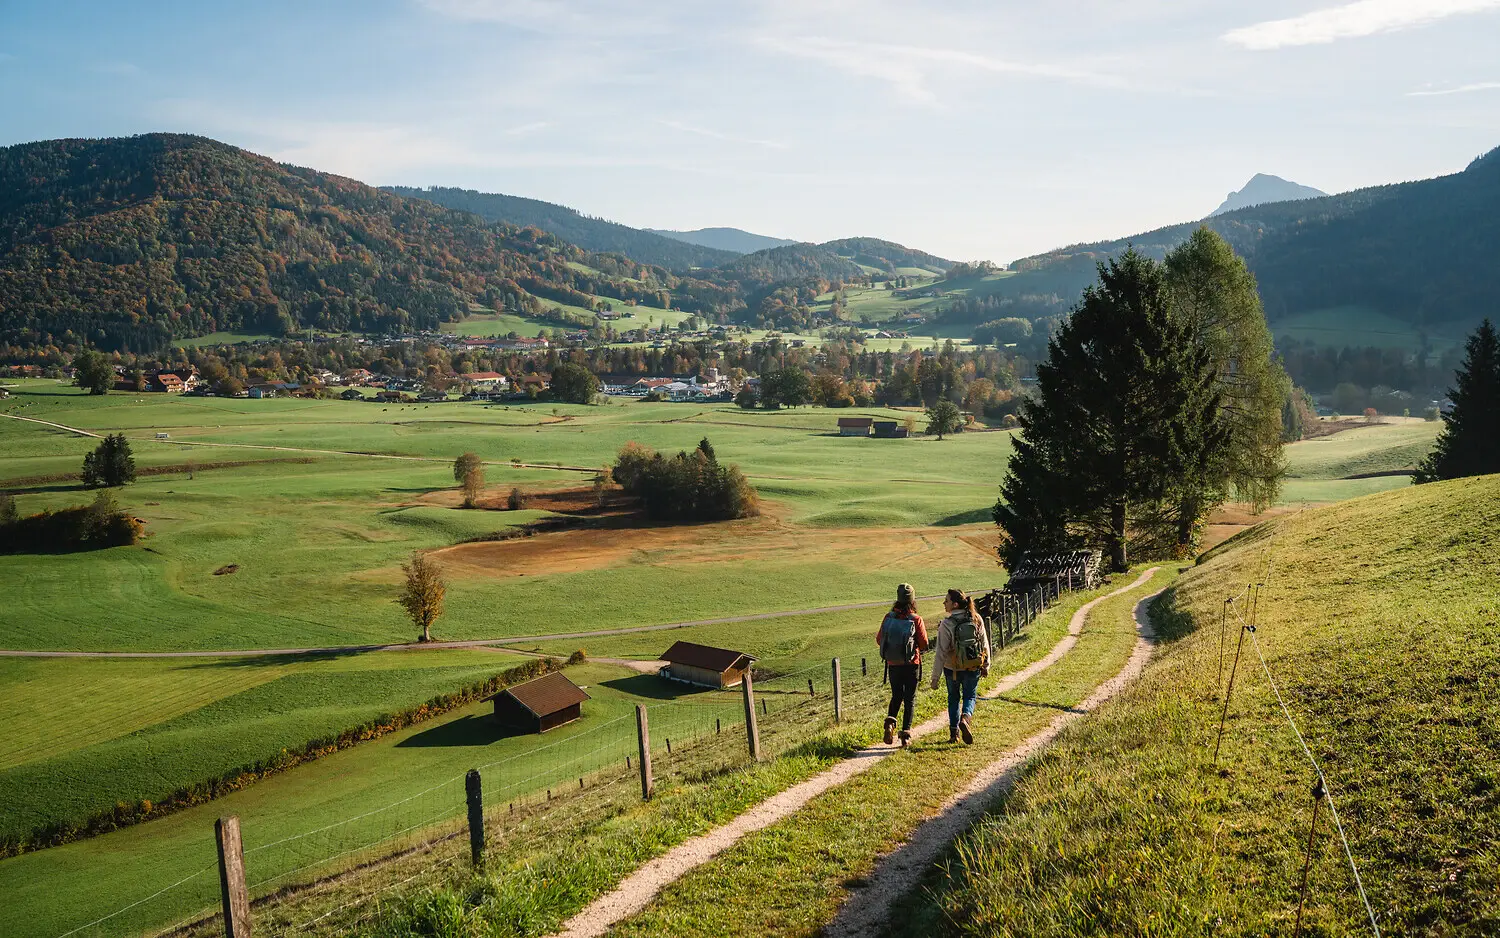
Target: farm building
pixel 540 704
pixel 705 665
pixel 855 426
pixel 888 430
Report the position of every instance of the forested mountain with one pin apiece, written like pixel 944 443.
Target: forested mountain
pixel 592 234
pixel 125 243
pixel 792 262
pixel 1423 252
pixel 885 255
pixel 1263 188
pixel 724 239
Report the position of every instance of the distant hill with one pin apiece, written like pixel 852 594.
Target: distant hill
pixel 1420 252
pixel 886 255
pixel 126 243
pixel 790 262
pixel 593 234
pixel 1262 189
pixel 724 239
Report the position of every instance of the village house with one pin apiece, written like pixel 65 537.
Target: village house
pixel 358 376
pixel 705 665
pixel 540 704
pixel 484 380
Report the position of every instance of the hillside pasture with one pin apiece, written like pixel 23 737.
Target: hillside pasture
pixel 1354 594
pixel 1363 327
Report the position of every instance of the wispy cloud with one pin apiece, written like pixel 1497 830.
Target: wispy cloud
pixel 1461 89
pixel 1351 21
pixel 717 135
pixel 909 68
pixel 523 130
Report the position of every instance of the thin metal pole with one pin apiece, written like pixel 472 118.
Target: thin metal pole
pixel 1229 691
pixel 1223 630
pixel 1318 791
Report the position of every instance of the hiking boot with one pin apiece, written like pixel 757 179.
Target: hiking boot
pixel 963 729
pixel 905 739
pixel 952 734
pixel 890 730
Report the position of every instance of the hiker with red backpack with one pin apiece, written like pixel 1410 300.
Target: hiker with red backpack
pixel 963 657
pixel 902 639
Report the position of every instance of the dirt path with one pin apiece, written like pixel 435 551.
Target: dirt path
pixel 427 646
pixel 637 891
pixel 866 910
pixel 55 426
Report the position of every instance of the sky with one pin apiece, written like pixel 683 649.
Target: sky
pixel 974 129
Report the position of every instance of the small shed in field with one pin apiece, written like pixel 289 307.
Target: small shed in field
pixel 705 665
pixel 855 426
pixel 888 430
pixel 539 704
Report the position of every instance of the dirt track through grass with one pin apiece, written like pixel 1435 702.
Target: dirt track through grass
pixel 638 890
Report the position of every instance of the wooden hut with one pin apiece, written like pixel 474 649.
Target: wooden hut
pixel 1076 569
pixel 705 665
pixel 855 426
pixel 539 704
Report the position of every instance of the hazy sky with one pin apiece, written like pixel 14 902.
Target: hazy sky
pixel 971 128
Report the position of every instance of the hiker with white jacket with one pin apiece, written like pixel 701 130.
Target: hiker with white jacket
pixel 963 657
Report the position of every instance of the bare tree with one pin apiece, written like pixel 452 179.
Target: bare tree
pixel 468 471
pixel 423 596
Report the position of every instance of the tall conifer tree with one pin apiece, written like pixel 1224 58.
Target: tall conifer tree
pixel 1126 410
pixel 1470 442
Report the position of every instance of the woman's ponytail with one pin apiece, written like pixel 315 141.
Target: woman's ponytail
pixel 957 598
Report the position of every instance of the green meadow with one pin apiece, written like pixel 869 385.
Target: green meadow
pixel 282 524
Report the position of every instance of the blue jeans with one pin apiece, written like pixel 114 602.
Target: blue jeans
pixel 965 683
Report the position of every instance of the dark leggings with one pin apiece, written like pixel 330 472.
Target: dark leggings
pixel 903 679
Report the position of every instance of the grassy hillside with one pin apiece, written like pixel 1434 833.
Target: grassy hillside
pixel 1127 826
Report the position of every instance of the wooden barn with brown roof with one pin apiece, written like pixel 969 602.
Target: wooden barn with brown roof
pixel 540 704
pixel 706 665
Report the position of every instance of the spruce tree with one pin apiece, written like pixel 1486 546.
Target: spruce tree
pixel 1127 412
pixel 1470 442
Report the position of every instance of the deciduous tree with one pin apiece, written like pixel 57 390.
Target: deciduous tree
pixel 574 384
pixel 93 372
pixel 944 417
pixel 468 471
pixel 423 595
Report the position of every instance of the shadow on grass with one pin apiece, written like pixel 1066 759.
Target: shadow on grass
pixel 1035 704
pixel 652 687
pixel 472 730
pixel 1170 622
pixel 976 516
pixel 262 661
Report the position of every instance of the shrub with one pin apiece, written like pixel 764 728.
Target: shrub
pixel 516 500
pixel 83 527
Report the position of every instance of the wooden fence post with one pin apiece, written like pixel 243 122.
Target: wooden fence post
pixel 752 732
pixel 838 693
pixel 476 816
pixel 232 890
pixel 643 737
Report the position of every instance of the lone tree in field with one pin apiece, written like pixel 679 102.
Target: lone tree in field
pixel 468 471
pixel 785 387
pixel 110 463
pixel 1128 416
pixel 1470 442
pixel 1214 297
pixel 573 384
pixel 423 596
pixel 93 372
pixel 944 417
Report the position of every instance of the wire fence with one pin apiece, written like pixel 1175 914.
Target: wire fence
pixel 1246 606
pixel 585 774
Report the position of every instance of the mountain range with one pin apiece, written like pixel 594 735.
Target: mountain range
pixel 127 243
pixel 1262 189
pixel 724 239
pixel 1421 252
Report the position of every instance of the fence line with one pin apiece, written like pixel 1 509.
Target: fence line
pixel 691 726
